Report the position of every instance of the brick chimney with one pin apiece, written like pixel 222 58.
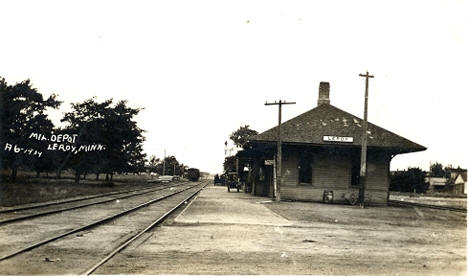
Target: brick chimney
pixel 324 93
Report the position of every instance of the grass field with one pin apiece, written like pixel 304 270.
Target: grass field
pixel 28 188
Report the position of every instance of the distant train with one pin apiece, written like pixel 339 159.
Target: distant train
pixel 193 174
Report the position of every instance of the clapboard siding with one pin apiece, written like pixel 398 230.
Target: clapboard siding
pixel 377 174
pixel 334 173
pixel 308 193
pixel 331 173
pixel 376 197
pixel 303 193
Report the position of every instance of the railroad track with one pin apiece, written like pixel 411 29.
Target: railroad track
pixel 167 204
pixel 67 200
pixel 413 204
pixel 128 242
pixel 22 213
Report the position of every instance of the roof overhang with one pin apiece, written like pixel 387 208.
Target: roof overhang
pixel 392 150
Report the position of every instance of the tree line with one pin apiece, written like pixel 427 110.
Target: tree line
pixel 167 166
pixel 413 179
pixel 97 137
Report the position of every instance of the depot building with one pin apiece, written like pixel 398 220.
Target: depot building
pixel 321 153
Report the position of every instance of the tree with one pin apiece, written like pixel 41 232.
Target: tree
pixel 437 170
pixel 171 166
pixel 22 112
pixel 153 163
pixel 240 137
pixel 87 119
pixel 125 139
pixel 183 168
pixel 229 164
pixel 410 180
pixel 447 171
pixel 111 126
pixel 58 159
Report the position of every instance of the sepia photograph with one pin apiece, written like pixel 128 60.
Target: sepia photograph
pixel 233 137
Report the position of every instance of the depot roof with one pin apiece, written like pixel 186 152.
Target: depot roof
pixel 329 125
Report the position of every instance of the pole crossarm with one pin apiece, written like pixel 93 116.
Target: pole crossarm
pixel 278 178
pixel 279 103
pixel 366 75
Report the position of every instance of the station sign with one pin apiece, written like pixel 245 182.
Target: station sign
pixel 269 162
pixel 340 139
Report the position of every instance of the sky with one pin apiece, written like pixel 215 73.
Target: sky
pixel 201 69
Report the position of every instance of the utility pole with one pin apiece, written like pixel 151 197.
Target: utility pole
pixel 164 163
pixel 362 175
pixel 277 184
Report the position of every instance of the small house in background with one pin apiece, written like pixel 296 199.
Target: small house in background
pixel 457 181
pixel 436 184
pixel 321 156
pixel 454 183
pixel 459 185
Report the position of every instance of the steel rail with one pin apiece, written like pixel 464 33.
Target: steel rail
pixel 400 203
pixel 129 241
pixel 108 218
pixel 10 220
pixel 46 204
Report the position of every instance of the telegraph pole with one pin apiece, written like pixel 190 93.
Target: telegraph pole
pixel 164 163
pixel 278 182
pixel 362 175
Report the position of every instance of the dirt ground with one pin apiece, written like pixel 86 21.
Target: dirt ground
pixel 235 233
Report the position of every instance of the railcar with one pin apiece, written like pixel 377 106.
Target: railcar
pixel 193 174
